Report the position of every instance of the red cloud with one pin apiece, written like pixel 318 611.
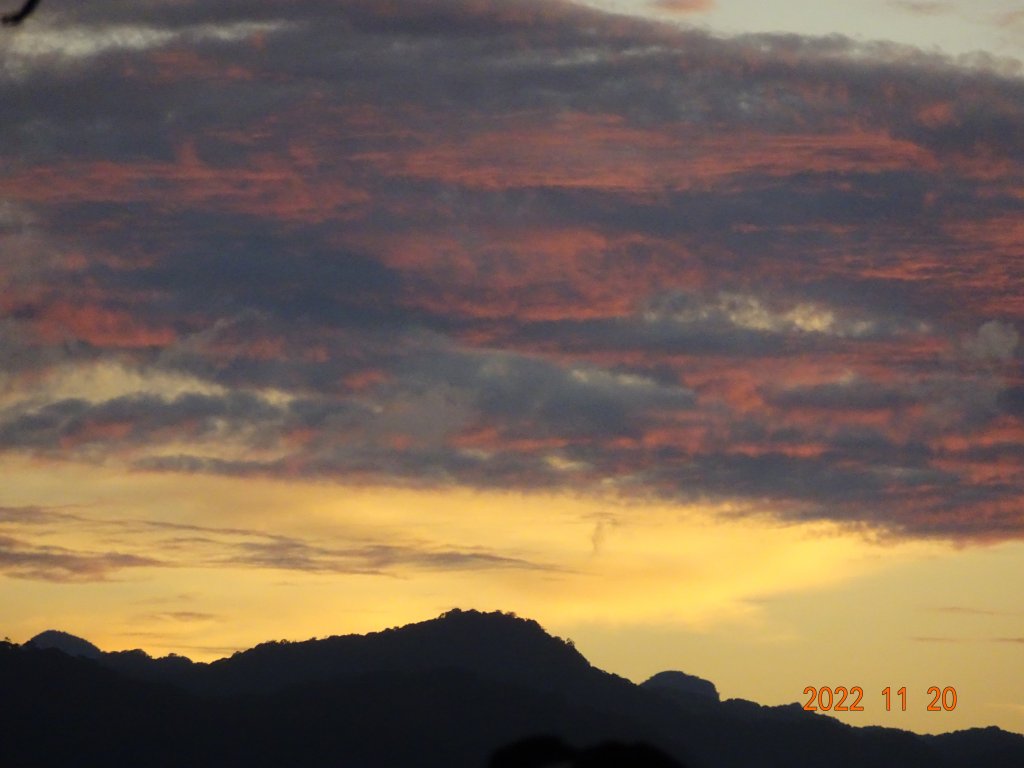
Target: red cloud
pixel 99 326
pixel 683 6
pixel 602 152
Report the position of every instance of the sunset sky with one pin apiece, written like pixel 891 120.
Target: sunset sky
pixel 689 328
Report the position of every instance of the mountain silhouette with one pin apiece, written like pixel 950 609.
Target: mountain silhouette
pixel 465 689
pixel 682 686
pixel 62 641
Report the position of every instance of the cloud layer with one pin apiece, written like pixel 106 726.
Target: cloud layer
pixel 517 245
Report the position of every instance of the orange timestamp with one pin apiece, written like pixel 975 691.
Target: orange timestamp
pixel 834 699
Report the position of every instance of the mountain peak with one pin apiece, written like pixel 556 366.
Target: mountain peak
pixel 473 620
pixel 496 646
pixel 65 643
pixel 680 684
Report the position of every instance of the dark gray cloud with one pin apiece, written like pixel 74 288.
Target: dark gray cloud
pixel 542 398
pixel 1011 400
pixel 67 424
pixel 515 244
pixel 847 395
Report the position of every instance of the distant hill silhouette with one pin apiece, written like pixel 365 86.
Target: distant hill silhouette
pixel 682 687
pixel 466 689
pixel 62 641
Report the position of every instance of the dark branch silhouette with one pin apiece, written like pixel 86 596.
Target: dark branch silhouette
pixel 13 19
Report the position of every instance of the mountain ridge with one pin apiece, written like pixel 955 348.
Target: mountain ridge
pixel 461 685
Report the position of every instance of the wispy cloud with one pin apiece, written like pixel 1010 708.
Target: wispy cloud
pixel 922 7
pixel 964 610
pixel 25 560
pixel 28 550
pixel 186 617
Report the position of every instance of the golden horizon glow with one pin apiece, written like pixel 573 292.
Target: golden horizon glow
pixel 641 586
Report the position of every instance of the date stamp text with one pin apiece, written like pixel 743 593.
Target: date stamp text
pixel 842 699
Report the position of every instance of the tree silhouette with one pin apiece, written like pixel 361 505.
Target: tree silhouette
pixel 13 19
